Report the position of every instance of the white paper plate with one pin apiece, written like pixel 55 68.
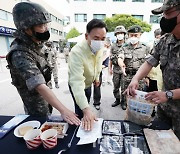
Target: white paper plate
pixel 34 124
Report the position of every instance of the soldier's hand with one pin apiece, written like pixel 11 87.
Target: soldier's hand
pixel 124 70
pixel 156 97
pixel 130 91
pixel 88 119
pixel 70 117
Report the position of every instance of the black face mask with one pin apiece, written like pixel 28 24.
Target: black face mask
pixel 167 25
pixel 42 36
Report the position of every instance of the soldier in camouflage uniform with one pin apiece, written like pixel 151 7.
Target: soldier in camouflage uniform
pixel 51 55
pixel 167 53
pixel 132 57
pixel 120 33
pixel 28 65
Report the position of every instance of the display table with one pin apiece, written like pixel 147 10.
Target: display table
pixel 10 144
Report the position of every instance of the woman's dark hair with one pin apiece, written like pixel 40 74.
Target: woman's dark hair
pixel 95 23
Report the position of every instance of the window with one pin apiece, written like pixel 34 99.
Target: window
pixel 138 17
pixel 60 33
pixel 3 15
pixel 156 1
pixel 80 17
pixel 54 31
pixel 6 15
pixel 137 0
pixel 154 19
pixel 54 18
pixel 119 0
pixel 99 16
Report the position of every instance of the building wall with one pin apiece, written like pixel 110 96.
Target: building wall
pixel 7 24
pixel 109 7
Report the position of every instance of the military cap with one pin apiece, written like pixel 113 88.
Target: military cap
pixel 120 29
pixel 167 4
pixel 28 14
pixel 157 32
pixel 135 29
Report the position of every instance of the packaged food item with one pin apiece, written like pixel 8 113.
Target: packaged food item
pixel 138 109
pixel 111 127
pixel 23 130
pixel 135 145
pixel 111 144
pixel 132 128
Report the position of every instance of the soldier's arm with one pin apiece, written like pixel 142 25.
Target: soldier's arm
pixel 49 96
pixel 121 60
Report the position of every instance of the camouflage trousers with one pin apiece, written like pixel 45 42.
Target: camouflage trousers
pixel 117 79
pixel 34 104
pixel 126 81
pixel 170 117
pixel 55 72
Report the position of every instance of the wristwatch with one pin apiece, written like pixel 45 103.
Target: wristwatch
pixel 169 95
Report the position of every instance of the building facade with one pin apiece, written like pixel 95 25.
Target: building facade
pixel 7 26
pixel 82 11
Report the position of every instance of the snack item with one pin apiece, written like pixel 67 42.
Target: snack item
pixel 49 138
pixel 24 130
pixel 139 110
pixel 60 127
pixel 32 138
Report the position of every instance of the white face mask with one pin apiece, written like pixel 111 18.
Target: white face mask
pixel 120 36
pixel 133 40
pixel 96 45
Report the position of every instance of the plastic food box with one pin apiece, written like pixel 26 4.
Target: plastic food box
pixel 61 128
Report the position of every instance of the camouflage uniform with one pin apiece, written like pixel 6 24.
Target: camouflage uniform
pixel 66 53
pixel 51 55
pixel 167 52
pixel 28 66
pixel 117 73
pixel 133 59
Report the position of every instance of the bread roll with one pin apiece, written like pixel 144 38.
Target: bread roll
pixel 24 130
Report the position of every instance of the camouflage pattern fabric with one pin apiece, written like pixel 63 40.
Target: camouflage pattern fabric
pixel 167 53
pixel 133 59
pixel 52 59
pixel 28 14
pixel 117 73
pixel 167 4
pixel 28 69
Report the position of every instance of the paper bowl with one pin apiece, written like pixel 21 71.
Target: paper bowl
pixel 49 138
pixel 32 138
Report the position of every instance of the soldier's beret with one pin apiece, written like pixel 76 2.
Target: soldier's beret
pixel 135 29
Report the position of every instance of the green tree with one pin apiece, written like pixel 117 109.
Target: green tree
pixel 72 33
pixel 126 21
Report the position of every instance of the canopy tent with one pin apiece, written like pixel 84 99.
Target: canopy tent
pixel 77 39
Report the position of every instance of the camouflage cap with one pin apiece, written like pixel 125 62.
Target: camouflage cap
pixel 28 14
pixel 135 29
pixel 120 29
pixel 167 4
pixel 157 32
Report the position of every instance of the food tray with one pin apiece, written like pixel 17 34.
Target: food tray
pixel 61 127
